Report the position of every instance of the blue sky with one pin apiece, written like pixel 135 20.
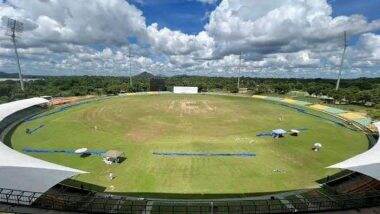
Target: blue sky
pixel 190 16
pixel 185 15
pixel 369 8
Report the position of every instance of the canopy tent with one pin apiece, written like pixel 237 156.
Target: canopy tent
pixel 113 156
pixel 367 163
pixel 316 147
pixel 81 151
pixel 22 172
pixel 294 132
pixel 278 132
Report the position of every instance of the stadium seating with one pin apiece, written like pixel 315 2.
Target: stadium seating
pixel 355 183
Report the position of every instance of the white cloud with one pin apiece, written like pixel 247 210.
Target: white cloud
pixel 208 1
pixel 177 43
pixel 279 25
pixel 367 52
pixel 77 22
pixel 276 37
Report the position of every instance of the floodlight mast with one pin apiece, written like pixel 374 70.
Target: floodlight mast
pixel 238 83
pixel 13 27
pixel 341 61
pixel 130 67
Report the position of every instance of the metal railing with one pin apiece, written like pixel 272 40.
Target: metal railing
pixel 92 203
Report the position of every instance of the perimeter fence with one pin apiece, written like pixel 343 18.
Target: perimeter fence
pixel 92 203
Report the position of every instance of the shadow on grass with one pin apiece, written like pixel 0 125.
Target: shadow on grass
pixel 122 159
pixel 162 195
pixel 8 132
pixel 196 196
pixel 337 176
pixel 85 155
pixel 83 185
pixel 372 140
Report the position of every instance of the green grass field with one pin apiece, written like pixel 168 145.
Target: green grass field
pixel 140 125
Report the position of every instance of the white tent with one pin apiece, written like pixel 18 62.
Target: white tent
pixel 278 133
pixel 22 172
pixel 81 151
pixel 367 163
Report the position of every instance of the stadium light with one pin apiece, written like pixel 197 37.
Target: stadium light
pixel 16 27
pixel 341 61
pixel 239 70
pixel 130 66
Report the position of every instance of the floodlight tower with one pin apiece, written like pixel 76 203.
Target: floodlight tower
pixel 239 67
pixel 16 27
pixel 130 66
pixel 341 61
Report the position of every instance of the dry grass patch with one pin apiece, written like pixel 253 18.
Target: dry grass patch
pixel 144 134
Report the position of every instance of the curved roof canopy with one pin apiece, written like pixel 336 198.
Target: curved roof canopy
pixel 22 172
pixel 7 109
pixel 367 163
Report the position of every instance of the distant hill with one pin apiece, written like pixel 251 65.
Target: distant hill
pixel 144 75
pixel 8 75
pixel 15 75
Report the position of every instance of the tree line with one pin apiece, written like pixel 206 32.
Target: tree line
pixel 352 91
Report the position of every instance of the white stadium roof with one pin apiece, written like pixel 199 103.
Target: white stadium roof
pixel 22 172
pixel 13 107
pixel 367 163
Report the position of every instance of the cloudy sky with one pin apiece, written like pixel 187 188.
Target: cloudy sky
pixel 276 38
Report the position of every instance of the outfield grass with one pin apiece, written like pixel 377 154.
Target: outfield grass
pixel 140 125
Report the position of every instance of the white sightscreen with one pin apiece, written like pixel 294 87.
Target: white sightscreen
pixel 367 163
pixel 185 90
